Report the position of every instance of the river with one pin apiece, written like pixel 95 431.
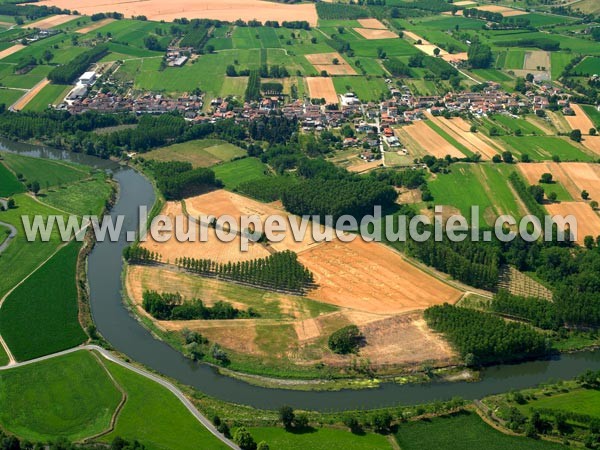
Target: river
pixel 128 336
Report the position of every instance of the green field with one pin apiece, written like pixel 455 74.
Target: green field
pixel 464 431
pixel 156 418
pixel 543 148
pixel 69 396
pixel 580 401
pixel 319 439
pixel 511 124
pixel 558 61
pixel 367 90
pixel 200 153
pixel 593 114
pixel 9 184
pixel 10 96
pixel 234 173
pixel 22 256
pixel 51 94
pixel 87 196
pixel 484 185
pixel 41 315
pixel 588 67
pixel 46 172
pixel 514 59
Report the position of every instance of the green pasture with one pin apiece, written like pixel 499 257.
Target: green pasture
pixel 9 184
pixel 51 94
pixel 87 196
pixel 366 89
pixel 46 172
pixel 234 173
pixel 200 153
pixel 544 148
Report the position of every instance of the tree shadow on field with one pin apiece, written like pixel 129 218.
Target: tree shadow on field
pixel 303 430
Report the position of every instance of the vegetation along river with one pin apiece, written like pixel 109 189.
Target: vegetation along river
pixel 128 336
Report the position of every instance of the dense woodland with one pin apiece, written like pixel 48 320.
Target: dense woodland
pixel 69 72
pixel 482 338
pixel 177 180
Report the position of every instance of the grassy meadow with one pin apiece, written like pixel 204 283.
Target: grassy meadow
pixel 200 153
pixel 234 173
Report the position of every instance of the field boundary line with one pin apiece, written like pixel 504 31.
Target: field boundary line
pixel 156 378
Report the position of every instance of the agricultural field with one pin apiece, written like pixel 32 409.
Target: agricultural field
pixel 51 94
pixel 366 90
pixel 589 66
pixel 484 185
pixel 200 153
pixel 421 139
pixel 9 184
pixel 234 173
pixel 580 121
pixel 511 125
pixel 593 114
pixel 46 172
pixel 322 87
pixel 41 315
pixel 533 172
pixel 87 196
pixel 69 396
pixel 576 401
pixel 319 439
pixel 155 417
pixel 543 148
pixel 441 433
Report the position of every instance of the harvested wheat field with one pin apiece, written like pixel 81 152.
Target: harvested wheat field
pixel 415 37
pixel 537 60
pixel 592 143
pixel 322 87
pixel 324 61
pixel 585 176
pixel 213 249
pixel 459 129
pixel 403 339
pixel 580 121
pixel 94 26
pixel 424 138
pixel 226 10
pixel 223 202
pixel 506 12
pixel 372 23
pixel 588 222
pixel 23 101
pixel 429 49
pixel 368 33
pixel 53 21
pixel 364 166
pixel 372 278
pixel 10 50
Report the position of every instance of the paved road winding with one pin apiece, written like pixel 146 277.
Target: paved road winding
pixel 166 384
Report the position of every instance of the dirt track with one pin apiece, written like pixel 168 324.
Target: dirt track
pixel 226 10
pixel 322 87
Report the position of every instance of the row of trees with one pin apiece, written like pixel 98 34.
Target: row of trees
pixel 482 338
pixel 281 270
pixel 67 73
pixel 168 306
pixel 528 196
pixel 253 88
pixel 541 313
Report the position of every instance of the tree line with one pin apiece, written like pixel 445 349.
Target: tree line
pixel 69 72
pixel 177 180
pixel 539 312
pixel 169 306
pixel 482 338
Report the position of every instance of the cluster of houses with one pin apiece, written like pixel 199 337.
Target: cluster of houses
pixel 189 105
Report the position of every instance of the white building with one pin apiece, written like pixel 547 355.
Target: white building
pixel 87 78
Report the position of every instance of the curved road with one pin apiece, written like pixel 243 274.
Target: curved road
pixel 166 384
pixel 11 236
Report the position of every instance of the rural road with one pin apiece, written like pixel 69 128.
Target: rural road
pixel 11 236
pixel 166 384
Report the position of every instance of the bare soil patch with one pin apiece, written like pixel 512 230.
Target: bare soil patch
pixel 369 33
pixel 592 143
pixel 364 166
pixel 580 121
pixel 372 278
pixel 429 49
pixel 10 50
pixel 213 248
pixel 95 25
pixel 403 339
pixel 324 61
pixel 372 23
pixel 588 222
pixel 432 143
pixel 415 37
pixel 537 60
pixel 322 87
pixel 506 12
pixel 23 101
pixel 585 176
pixel 53 21
pixel 455 57
pixel 226 10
